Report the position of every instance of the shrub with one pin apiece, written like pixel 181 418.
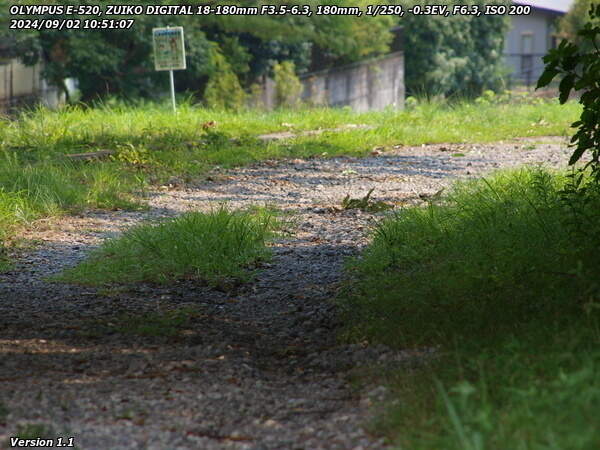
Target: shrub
pixel 288 86
pixel 223 90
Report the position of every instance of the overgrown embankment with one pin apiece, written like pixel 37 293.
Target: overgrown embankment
pixel 500 276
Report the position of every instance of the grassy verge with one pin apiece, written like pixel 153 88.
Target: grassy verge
pixel 151 145
pixel 31 190
pixel 219 248
pixel 502 279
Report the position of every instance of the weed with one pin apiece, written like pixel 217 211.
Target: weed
pixel 5 263
pixel 34 430
pixel 218 247
pixel 365 203
pixel 126 414
pixel 4 411
pixel 280 221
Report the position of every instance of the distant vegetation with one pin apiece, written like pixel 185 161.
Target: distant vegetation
pixel 574 20
pixel 459 55
pixel 120 62
pixel 455 55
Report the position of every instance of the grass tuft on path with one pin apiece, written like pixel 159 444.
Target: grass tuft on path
pixel 219 247
pixel 502 280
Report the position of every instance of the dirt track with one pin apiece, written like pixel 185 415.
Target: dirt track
pixel 258 368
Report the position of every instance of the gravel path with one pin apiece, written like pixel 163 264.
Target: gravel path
pixel 258 368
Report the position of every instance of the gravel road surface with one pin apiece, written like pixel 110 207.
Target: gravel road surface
pixel 257 368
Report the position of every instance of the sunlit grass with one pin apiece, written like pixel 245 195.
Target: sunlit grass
pixel 150 144
pixel 219 248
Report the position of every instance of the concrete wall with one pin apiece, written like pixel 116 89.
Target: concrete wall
pixel 367 85
pixel 21 84
pixel 526 63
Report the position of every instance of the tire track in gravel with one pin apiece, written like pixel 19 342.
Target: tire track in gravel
pixel 259 368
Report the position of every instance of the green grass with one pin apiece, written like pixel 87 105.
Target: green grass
pixel 29 191
pixel 155 128
pixel 151 145
pixel 220 248
pixel 503 282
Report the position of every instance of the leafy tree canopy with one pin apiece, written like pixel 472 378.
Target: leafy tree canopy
pixel 120 61
pixel 444 55
pixel 459 54
pixel 574 20
pixel 578 67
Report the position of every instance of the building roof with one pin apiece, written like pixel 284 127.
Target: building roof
pixel 558 6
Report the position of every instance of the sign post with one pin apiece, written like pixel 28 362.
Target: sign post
pixel 169 53
pixel 172 80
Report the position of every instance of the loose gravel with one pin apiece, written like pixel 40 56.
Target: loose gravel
pixel 257 368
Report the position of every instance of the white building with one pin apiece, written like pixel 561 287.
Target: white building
pixel 21 85
pixel 531 36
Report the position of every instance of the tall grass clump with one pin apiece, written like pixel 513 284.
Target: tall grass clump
pixel 501 278
pixel 220 248
pixel 497 254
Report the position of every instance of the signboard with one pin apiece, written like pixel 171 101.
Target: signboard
pixel 169 49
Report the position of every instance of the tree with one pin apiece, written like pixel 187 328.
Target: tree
pixel 578 67
pixel 574 20
pixel 120 62
pixel 459 54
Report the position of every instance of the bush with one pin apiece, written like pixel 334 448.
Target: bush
pixel 223 90
pixel 288 86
